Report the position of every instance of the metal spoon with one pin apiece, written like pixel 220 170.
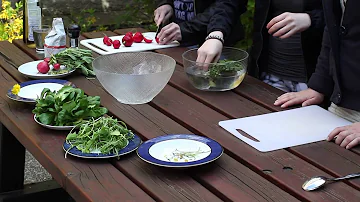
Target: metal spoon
pixel 319 181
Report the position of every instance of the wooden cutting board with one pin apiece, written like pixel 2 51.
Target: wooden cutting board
pixel 98 46
pixel 284 129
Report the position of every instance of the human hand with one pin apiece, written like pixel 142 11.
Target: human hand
pixel 169 33
pixel 163 13
pixel 306 97
pixel 209 52
pixel 287 24
pixel 346 136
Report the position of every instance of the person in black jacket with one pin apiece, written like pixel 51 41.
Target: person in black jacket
pixel 286 42
pixel 337 73
pixel 195 20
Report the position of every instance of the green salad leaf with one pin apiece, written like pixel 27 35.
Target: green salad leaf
pixel 67 107
pixel 224 67
pixel 104 135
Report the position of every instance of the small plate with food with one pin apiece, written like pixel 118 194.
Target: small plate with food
pixel 180 150
pixel 102 138
pixel 31 90
pixel 41 69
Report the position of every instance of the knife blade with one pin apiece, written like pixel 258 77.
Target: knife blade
pixel 159 29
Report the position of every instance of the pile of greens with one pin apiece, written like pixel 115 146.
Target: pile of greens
pixel 75 58
pixel 105 135
pixel 67 107
pixel 224 68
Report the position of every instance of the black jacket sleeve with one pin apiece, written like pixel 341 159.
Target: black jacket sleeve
pixel 163 2
pixel 321 80
pixel 221 15
pixel 317 19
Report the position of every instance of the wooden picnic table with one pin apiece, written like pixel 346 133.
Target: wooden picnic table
pixel 241 174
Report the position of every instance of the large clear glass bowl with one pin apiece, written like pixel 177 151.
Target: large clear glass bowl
pixel 135 77
pixel 216 76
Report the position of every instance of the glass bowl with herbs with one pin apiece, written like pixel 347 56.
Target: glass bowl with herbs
pixel 225 74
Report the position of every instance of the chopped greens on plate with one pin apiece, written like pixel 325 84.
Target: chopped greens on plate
pixel 105 135
pixel 184 156
pixel 67 107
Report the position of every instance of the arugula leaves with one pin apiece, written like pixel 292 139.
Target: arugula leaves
pixel 67 107
pixel 106 135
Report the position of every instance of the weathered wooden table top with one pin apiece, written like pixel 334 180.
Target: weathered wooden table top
pixel 241 174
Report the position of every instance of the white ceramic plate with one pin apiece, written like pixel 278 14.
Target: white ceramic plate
pixel 31 90
pixel 169 150
pixel 30 70
pixel 57 127
pixel 53 127
pixel 132 146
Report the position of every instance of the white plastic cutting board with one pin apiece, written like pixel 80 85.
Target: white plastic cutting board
pixel 285 129
pixel 103 49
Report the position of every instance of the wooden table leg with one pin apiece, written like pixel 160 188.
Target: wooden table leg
pixel 12 161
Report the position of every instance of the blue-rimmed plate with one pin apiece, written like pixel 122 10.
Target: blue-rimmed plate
pixel 30 90
pixel 30 70
pixel 180 151
pixel 132 146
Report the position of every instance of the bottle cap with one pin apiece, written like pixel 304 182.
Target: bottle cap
pixel 73 31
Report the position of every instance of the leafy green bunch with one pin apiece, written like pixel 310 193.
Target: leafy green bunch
pixel 224 68
pixel 105 135
pixel 67 107
pixel 75 58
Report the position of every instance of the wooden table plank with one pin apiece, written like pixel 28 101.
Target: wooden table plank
pixel 197 191
pixel 300 163
pixel 163 126
pixel 200 119
pixel 79 178
pixel 254 89
pixel 211 99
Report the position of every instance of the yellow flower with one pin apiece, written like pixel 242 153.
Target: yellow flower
pixel 5 4
pixel 16 89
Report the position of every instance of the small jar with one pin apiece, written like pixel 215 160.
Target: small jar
pixel 74 33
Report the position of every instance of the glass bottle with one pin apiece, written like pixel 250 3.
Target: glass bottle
pixel 32 18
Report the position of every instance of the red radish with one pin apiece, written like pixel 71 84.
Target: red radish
pixel 147 40
pixel 107 41
pixel 47 60
pixel 43 67
pixel 157 39
pixel 138 37
pixel 127 41
pixel 116 44
pixel 56 66
pixel 129 33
